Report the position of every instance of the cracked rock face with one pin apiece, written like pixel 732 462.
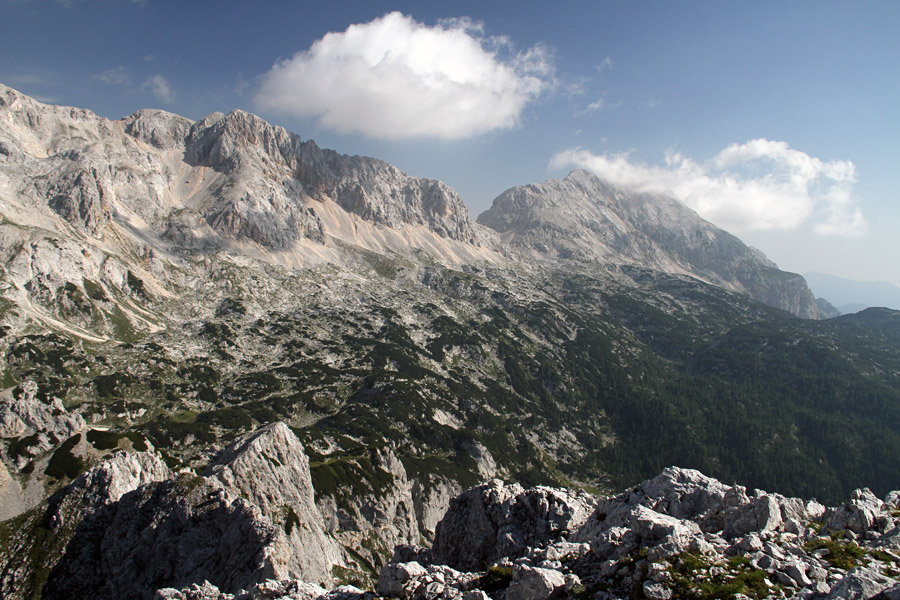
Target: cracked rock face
pixel 70 526
pixel 495 520
pixel 129 526
pixel 269 469
pixel 170 533
pixel 248 179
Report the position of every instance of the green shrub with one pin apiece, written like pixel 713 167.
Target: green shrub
pixel 843 555
pixel 496 578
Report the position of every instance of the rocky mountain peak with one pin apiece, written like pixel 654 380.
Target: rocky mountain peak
pixel 240 139
pixel 159 128
pixel 381 193
pixel 584 218
pixel 244 178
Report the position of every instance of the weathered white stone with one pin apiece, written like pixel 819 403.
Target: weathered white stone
pixel 532 583
pixel 495 520
pixel 656 591
pixel 395 577
pixel 547 220
pixel 861 583
pixel 862 513
pixel 23 413
pixel 269 468
pixel 761 514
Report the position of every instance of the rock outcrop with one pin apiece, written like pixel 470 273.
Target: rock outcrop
pixel 249 180
pixel 678 535
pixel 169 533
pixel 249 529
pixel 68 529
pixel 495 520
pixel 130 526
pixel 269 469
pixel 151 193
pixel 47 420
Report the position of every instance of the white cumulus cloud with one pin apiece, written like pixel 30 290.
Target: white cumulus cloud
pixel 758 185
pixel 396 78
pixel 159 87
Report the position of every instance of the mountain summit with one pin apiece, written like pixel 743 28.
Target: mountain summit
pixel 582 218
pixel 223 179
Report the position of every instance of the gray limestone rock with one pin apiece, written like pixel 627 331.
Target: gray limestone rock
pixel 656 591
pixel 862 513
pixel 532 583
pixel 25 414
pixel 395 579
pixel 269 469
pixel 494 520
pixel 761 514
pixel 167 534
pixel 158 128
pixel 78 511
pixel 684 493
pixel 861 583
pixel 584 218
pixel 891 593
pixel 106 483
pixel 892 499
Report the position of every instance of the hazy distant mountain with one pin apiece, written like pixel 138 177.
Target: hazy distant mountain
pixel 826 309
pixel 851 296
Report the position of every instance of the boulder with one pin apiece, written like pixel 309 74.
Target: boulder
pixel 861 583
pixel 395 578
pixel 532 583
pixel 864 512
pixel 684 493
pixel 763 513
pixel 494 520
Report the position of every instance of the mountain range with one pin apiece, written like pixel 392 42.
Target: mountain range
pixel 169 285
pixel 852 296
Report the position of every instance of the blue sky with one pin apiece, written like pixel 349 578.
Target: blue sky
pixel 778 121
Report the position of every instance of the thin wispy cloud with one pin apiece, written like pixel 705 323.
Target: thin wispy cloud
pixel 605 65
pixel 396 78
pixel 114 76
pixel 758 185
pixel 159 87
pixel 596 105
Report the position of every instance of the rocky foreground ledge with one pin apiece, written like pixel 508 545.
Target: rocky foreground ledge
pixel 248 528
pixel 678 535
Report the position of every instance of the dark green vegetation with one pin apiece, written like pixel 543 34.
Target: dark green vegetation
pixel 840 553
pixel 495 578
pixel 590 379
pixel 691 578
